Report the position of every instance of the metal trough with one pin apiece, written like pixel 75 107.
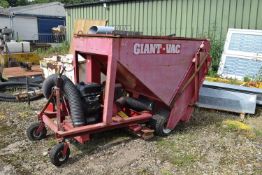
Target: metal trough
pixel 226 100
pixel 236 88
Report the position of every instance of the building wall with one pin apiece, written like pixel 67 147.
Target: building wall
pixel 32 28
pixel 25 28
pixel 190 18
pixel 4 22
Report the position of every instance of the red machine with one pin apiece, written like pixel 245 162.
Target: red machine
pixel 151 84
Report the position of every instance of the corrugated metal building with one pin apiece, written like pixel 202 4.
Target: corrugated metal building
pixel 33 22
pixel 191 18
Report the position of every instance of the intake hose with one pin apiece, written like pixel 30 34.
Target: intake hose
pixel 72 95
pixel 133 104
pixel 11 98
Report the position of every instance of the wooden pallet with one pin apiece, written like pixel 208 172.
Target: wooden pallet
pixel 81 26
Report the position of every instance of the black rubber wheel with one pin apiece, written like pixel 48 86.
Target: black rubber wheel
pixel 159 122
pixel 31 132
pixel 56 154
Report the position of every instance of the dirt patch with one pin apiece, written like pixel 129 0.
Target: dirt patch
pixel 202 146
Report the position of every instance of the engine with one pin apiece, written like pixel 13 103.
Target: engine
pixel 91 100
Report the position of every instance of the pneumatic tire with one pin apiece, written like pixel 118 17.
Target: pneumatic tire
pixel 159 122
pixel 56 154
pixel 33 135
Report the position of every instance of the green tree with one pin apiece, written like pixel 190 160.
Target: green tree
pixel 4 3
pixel 14 3
pixel 41 1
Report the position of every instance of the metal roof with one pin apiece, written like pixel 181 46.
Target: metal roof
pixel 25 10
pixel 22 9
pixel 95 3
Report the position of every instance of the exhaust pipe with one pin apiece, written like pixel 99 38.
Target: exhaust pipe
pixel 101 30
pixel 134 104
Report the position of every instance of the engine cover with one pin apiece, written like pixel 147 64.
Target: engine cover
pixel 91 94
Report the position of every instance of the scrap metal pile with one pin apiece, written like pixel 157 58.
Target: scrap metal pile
pixel 14 70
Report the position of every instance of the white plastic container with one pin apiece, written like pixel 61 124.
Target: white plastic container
pixel 25 46
pixel 13 47
pixel 17 47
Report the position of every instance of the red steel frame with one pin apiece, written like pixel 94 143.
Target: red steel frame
pixel 109 47
pixel 64 128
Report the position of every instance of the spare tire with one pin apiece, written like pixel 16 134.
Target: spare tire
pixel 71 93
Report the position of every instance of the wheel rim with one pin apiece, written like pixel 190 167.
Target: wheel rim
pixel 35 134
pixel 61 157
pixel 166 130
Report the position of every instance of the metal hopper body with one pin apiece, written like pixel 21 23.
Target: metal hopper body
pixel 168 70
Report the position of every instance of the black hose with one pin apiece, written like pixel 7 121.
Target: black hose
pixel 11 83
pixel 72 95
pixel 133 104
pixel 11 98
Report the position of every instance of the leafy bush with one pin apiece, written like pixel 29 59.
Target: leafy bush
pixel 216 53
pixel 217 46
pixel 60 50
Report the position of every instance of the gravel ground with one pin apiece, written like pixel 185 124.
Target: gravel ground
pixel 205 145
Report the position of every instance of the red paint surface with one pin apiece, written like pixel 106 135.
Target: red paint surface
pixel 156 74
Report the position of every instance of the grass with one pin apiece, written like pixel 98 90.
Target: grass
pixel 258 132
pixel 2 116
pixel 208 142
pixel 242 129
pixel 235 125
pixel 60 50
pixel 200 146
pixel 51 142
pixel 143 172
pixel 26 113
pixel 175 155
pixel 12 159
pixel 166 172
pixel 4 130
